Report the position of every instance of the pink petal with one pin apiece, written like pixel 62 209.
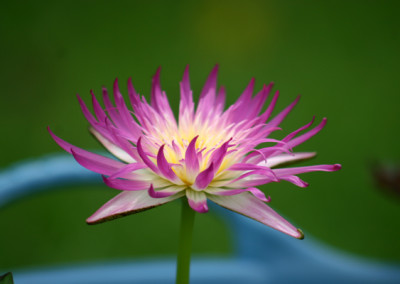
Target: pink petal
pixel 144 157
pixel 112 148
pixel 88 115
pixel 298 140
pixel 207 96
pixel 197 200
pixel 228 192
pixel 265 116
pixel 278 119
pixel 126 118
pixel 250 206
pixel 127 170
pixel 261 97
pixel 251 182
pixel 211 82
pixel 110 108
pixel 301 170
pixel 91 161
pixel 186 105
pixel 253 178
pixel 123 184
pixel 99 126
pixel 98 110
pixel 219 155
pixel 164 166
pixel 156 90
pixel 285 158
pixel 96 163
pixel 247 167
pixel 243 109
pixel 220 100
pixel 295 180
pixel 159 100
pixel 128 202
pixel 204 178
pixel 133 95
pixel 294 133
pixel 165 192
pixel 191 158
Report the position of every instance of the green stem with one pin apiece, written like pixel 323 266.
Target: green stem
pixel 185 243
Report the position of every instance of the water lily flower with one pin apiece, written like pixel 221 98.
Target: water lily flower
pixel 208 154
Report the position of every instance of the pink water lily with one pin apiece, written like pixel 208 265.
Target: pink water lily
pixel 208 154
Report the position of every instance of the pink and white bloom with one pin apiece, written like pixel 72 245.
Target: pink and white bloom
pixel 208 154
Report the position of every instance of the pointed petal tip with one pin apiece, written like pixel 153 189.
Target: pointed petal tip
pixel 152 192
pixel 268 88
pixel 301 236
pixel 198 207
pixel 185 78
pixel 90 221
pixel 204 178
pixel 157 74
pixel 115 84
pixel 337 167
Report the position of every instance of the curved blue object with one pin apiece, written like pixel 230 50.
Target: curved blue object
pixel 262 255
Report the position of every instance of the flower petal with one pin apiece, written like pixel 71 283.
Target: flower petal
pixel 219 155
pixel 186 105
pixel 165 192
pixel 164 166
pixel 191 159
pixel 250 206
pixel 91 161
pixel 300 139
pixel 228 192
pixel 204 178
pixel 267 113
pixel 294 133
pixel 301 170
pixel 144 157
pixel 123 184
pixel 159 100
pixel 261 97
pixel 295 180
pixel 278 119
pixel 96 163
pixel 285 158
pixel 112 148
pixel 127 170
pixel 128 202
pixel 197 200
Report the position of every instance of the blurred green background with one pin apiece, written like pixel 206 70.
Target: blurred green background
pixel 342 56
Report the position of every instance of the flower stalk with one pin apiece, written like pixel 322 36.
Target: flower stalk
pixel 185 243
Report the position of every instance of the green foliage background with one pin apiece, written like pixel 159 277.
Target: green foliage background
pixel 342 56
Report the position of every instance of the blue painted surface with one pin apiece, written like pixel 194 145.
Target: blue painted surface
pixel 262 254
